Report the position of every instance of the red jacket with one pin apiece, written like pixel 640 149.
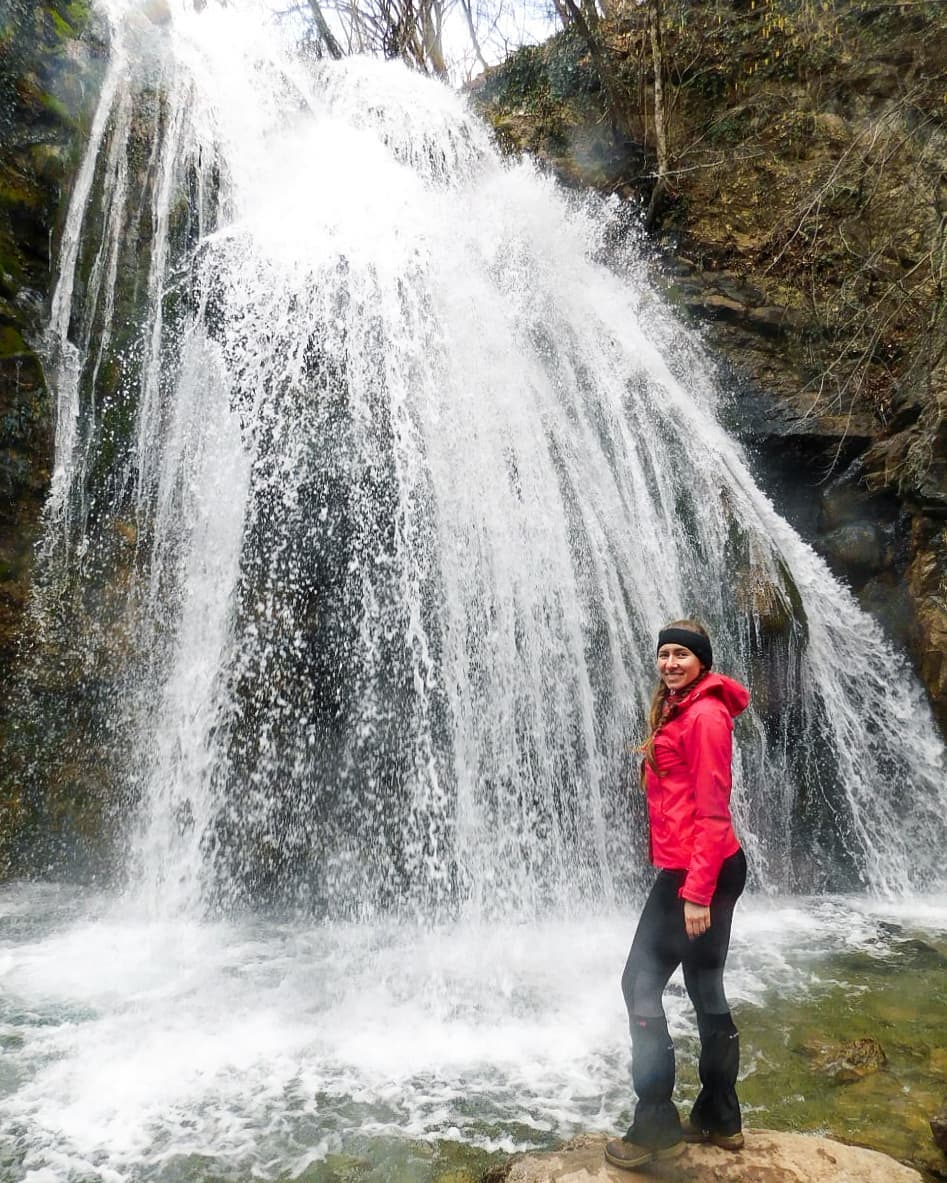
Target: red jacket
pixel 689 797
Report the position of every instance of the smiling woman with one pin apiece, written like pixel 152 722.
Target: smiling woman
pixel 686 919
pixel 677 665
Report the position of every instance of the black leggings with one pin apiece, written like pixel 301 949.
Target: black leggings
pixel 661 944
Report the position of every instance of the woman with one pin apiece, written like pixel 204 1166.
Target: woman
pixel 686 919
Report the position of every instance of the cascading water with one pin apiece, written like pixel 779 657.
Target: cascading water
pixel 412 486
pixel 394 483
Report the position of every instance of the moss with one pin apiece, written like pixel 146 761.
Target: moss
pixel 20 192
pixel 61 25
pixel 11 342
pixel 49 162
pixel 536 99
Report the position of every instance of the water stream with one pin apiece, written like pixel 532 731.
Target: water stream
pixel 388 480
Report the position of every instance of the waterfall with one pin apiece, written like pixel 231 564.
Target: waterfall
pixel 397 481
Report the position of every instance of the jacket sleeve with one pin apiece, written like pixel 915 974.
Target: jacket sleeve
pixel 708 751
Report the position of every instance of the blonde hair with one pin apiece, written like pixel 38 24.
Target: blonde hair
pixel 656 712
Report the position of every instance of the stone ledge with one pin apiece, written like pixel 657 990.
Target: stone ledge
pixel 768 1157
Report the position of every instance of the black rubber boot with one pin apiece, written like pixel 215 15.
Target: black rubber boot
pixel 717 1109
pixel 657 1124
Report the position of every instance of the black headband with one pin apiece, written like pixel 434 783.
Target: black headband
pixel 698 644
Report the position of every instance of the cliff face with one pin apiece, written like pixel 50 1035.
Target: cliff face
pixel 48 75
pixel 803 225
pixel 43 107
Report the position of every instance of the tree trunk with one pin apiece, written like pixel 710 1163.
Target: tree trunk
pixel 656 18
pixel 325 33
pixel 467 6
pixel 431 24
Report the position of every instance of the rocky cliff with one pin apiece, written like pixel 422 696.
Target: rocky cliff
pixel 802 223
pixel 49 72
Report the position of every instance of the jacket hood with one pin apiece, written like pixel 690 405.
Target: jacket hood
pixel 731 693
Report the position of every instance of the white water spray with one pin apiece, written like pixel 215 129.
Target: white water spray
pixel 413 487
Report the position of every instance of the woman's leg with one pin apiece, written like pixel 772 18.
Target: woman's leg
pixel 717 1108
pixel 656 952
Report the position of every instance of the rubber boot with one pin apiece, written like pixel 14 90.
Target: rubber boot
pixel 717 1109
pixel 657 1124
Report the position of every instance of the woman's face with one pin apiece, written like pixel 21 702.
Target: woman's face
pixel 677 666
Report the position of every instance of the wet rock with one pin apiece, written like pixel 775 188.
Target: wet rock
pixel 939 1129
pixel 886 598
pixel 924 579
pixel 723 307
pixel 768 1155
pixel 849 1062
pixel 858 1059
pixel 859 545
pixel 773 320
pixel 48 86
pixel 915 952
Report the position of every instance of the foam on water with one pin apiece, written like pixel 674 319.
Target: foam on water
pixel 261 1045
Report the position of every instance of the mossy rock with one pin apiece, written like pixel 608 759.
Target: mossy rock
pixel 849 1062
pixel 50 162
pixel 11 342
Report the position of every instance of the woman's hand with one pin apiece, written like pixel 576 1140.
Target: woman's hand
pixel 696 918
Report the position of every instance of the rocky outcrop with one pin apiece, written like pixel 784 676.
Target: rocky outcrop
pixel 871 500
pixel 768 1157
pixel 46 88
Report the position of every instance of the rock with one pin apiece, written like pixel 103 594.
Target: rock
pixel 848 1062
pixel 768 1156
pixel 939 1129
pixel 924 579
pixel 860 1058
pixel 886 598
pixel 723 307
pixel 773 320
pixel 832 128
pixel 858 545
pixel 127 532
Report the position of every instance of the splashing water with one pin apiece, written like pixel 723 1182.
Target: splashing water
pixel 173 1051
pixel 412 480
pixel 392 484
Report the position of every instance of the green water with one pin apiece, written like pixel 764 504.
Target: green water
pixel 898 999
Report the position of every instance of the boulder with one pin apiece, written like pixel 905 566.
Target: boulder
pixel 770 1156
pixel 859 545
